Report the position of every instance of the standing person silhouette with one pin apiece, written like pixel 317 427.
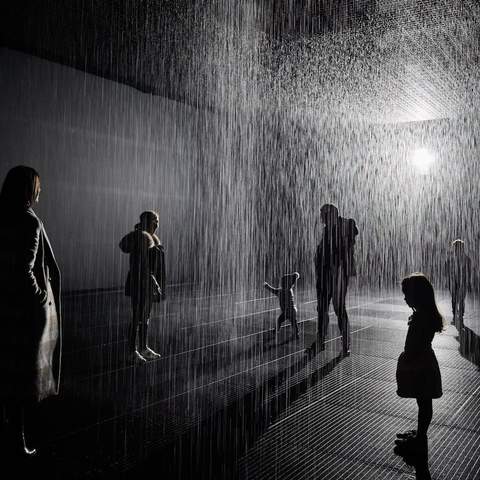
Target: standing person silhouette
pixel 459 271
pixel 30 343
pixel 334 265
pixel 145 281
pixel 418 374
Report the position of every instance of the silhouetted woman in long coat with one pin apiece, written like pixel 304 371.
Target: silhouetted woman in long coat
pixel 30 340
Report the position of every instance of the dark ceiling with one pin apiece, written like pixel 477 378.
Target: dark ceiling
pixel 391 60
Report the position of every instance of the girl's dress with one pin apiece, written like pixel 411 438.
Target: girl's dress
pixel 418 374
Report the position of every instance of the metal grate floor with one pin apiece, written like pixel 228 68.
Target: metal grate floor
pixel 347 429
pixel 227 400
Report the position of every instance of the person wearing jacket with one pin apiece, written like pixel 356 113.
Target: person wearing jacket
pixel 145 280
pixel 30 344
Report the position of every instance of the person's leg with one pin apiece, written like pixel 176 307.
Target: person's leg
pixel 132 330
pixel 145 349
pixel 341 285
pixel 324 295
pixel 142 335
pixel 143 324
pixel 453 291
pixel 461 306
pixel 425 413
pixel 323 301
pixel 416 442
pixel 293 322
pixel 422 472
pixel 280 320
pixel 136 333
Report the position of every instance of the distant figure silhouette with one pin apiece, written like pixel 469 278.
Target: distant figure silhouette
pixel 30 346
pixel 287 302
pixel 334 265
pixel 459 270
pixel 418 374
pixel 145 281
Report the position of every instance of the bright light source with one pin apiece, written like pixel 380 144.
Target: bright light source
pixel 422 160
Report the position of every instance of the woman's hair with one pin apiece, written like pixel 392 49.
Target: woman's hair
pixel 20 188
pixel 329 210
pixel 147 215
pixel 419 290
pixel 458 245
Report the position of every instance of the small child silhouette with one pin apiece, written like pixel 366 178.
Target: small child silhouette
pixel 287 303
pixel 418 373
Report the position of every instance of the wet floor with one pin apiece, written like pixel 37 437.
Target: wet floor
pixel 229 399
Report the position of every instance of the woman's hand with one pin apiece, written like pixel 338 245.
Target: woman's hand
pixel 44 298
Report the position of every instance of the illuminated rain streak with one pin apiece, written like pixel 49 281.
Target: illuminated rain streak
pixel 304 122
pixel 277 112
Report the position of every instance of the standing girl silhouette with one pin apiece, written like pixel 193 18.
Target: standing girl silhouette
pixel 418 374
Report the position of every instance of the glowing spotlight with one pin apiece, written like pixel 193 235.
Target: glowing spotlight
pixel 422 160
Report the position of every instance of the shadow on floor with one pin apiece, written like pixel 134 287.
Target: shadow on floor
pixel 419 461
pixel 119 449
pixel 212 448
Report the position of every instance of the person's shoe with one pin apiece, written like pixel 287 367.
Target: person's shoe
pixel 407 434
pixel 397 450
pixel 29 452
pixel 138 357
pixel 314 348
pixel 19 448
pixel 311 351
pixel 153 352
pixel 149 354
pixel 346 351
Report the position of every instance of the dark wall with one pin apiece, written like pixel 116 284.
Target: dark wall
pixel 238 191
pixel 105 152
